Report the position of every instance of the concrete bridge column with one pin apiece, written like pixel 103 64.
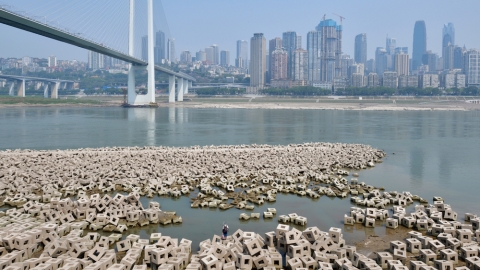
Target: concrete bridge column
pixel 11 92
pixel 171 89
pixel 180 89
pixel 185 87
pixel 45 90
pixel 54 94
pixel 21 88
pixel 188 87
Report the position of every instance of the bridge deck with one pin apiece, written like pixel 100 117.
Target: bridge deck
pixel 33 26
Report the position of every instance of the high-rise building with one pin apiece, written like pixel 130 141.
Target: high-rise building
pixel 391 44
pixel 290 44
pixel 402 64
pixel 278 64
pixel 314 42
pixel 373 80
pixel 448 35
pixel 360 55
pixel 430 59
pixel 401 50
pixel 201 56
pixel 419 44
pixel 370 66
pixel 172 57
pixel 300 65
pixel 390 79
pixel 225 58
pixel 52 61
pixel 458 55
pixel 186 57
pixel 95 60
pixel 472 67
pixel 210 55
pixel 346 62
pixel 258 68
pixel 357 80
pixel 145 48
pixel 356 69
pixel 159 50
pixel 242 52
pixel 380 60
pixel 216 54
pixel 331 50
pixel 273 45
pixel 448 57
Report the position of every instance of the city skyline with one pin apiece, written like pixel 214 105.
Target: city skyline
pixel 398 25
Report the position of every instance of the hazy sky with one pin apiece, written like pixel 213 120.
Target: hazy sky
pixel 196 24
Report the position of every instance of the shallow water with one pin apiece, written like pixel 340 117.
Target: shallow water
pixel 430 153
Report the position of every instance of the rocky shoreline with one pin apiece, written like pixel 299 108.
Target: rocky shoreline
pixel 57 199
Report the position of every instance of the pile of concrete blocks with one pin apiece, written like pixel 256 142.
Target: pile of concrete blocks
pixel 293 218
pixel 220 173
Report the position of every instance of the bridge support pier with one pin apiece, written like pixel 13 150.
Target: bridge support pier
pixel 54 94
pixel 171 89
pixel 11 91
pixel 189 84
pixel 180 87
pixel 45 90
pixel 21 88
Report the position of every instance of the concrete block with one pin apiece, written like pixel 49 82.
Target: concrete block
pixel 391 223
pixel 427 256
pixel 413 245
pixel 449 255
pixel 416 265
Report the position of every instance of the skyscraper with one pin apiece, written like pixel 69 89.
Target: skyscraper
pixel 145 48
pixel 380 61
pixel 430 59
pixel 472 67
pixel 314 42
pixel 360 54
pixel 278 64
pixel 391 44
pixel 171 54
pixel 159 47
pixel 216 54
pixel 289 42
pixel 210 55
pixel 273 45
pixel 258 51
pixel 242 52
pixel 300 65
pixel 448 35
pixel 331 50
pixel 225 58
pixel 458 54
pixel 448 56
pixel 402 64
pixel 419 44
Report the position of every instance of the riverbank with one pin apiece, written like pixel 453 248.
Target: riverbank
pixel 323 103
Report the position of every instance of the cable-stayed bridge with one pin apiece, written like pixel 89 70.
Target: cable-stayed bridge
pixel 178 82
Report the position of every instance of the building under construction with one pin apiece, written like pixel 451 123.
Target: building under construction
pixel 330 51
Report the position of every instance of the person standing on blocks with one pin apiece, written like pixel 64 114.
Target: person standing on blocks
pixel 224 231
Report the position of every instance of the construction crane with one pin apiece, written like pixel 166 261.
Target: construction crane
pixel 341 18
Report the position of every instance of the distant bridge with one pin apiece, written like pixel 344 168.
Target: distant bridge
pixel 184 81
pixel 19 81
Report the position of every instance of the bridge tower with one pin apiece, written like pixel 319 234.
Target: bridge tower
pixel 133 98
